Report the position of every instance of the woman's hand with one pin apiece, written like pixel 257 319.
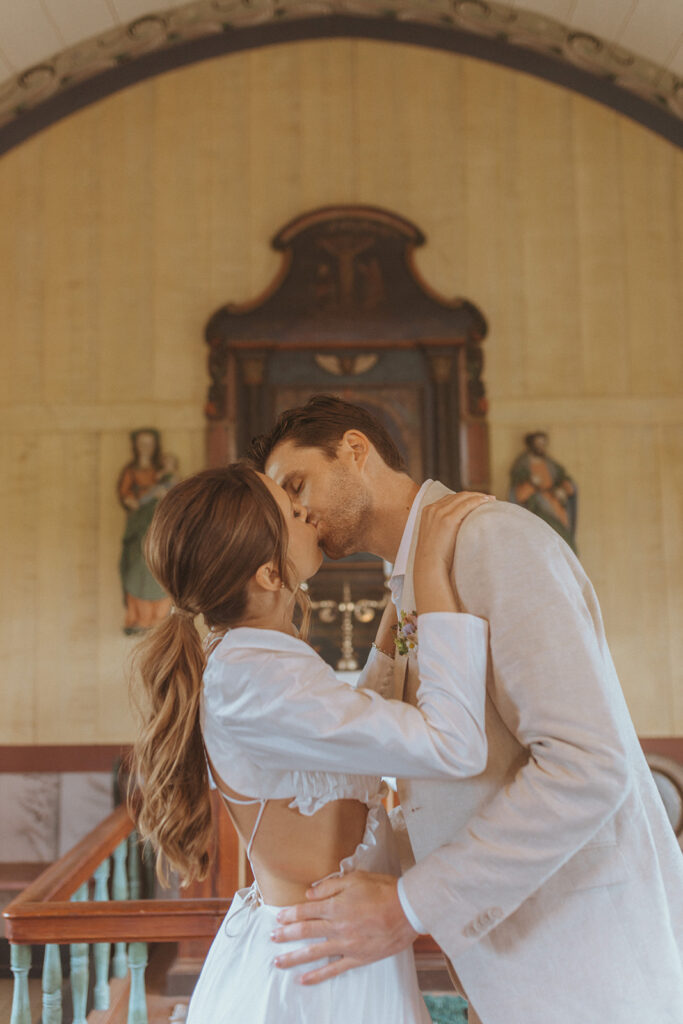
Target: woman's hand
pixel 435 550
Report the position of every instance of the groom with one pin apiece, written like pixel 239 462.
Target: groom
pixel 553 880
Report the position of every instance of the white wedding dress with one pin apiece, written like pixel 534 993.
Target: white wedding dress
pixel 278 723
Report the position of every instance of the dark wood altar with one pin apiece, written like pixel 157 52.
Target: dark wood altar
pixel 349 314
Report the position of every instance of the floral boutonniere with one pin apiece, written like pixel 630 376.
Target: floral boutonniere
pixel 406 632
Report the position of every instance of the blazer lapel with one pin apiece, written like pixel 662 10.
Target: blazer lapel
pixel 409 661
pixel 435 491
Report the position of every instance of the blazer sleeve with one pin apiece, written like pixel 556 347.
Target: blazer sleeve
pixel 286 710
pixel 556 689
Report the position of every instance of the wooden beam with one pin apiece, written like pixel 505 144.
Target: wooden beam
pixel 62 921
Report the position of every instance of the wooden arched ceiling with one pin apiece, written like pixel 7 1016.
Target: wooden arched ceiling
pixel 634 66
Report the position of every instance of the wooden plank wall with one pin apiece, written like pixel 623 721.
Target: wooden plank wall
pixel 126 225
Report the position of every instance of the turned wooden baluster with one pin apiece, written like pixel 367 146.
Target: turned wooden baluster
pixel 80 967
pixel 137 1002
pixel 52 985
pixel 137 951
pixel 20 961
pixel 120 892
pixel 102 950
pixel 134 885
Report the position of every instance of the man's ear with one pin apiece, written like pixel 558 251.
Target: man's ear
pixel 357 444
pixel 267 577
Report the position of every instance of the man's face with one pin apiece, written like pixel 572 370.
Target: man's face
pixel 332 491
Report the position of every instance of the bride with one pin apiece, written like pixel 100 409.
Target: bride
pixel 296 754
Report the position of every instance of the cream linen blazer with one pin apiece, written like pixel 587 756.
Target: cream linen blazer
pixel 553 880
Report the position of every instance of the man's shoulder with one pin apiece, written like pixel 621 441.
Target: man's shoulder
pixel 501 550
pixel 498 523
pixel 500 515
pixel 504 523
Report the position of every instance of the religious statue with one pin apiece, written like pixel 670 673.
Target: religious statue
pixel 543 487
pixel 143 481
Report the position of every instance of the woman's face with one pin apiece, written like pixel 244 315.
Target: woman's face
pixel 303 549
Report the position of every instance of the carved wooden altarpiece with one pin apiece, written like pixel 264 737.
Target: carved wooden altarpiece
pixel 349 314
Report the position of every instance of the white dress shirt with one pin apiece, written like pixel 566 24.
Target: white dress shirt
pixel 401 562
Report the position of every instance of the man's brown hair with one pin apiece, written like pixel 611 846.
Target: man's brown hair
pixel 322 423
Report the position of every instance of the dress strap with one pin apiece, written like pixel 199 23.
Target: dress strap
pixel 228 799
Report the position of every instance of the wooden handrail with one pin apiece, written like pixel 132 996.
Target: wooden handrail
pixel 43 913
pixel 63 877
pixel 114 921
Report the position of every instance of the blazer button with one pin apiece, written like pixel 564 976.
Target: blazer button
pixel 482 922
pixel 490 916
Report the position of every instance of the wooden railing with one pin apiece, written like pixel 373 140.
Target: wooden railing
pixel 74 902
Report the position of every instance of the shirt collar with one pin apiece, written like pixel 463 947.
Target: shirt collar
pixel 401 563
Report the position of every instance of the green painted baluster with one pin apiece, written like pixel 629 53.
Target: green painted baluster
pixel 120 892
pixel 137 1003
pixel 102 950
pixel 133 866
pixel 149 869
pixel 80 967
pixel 20 960
pixel 52 985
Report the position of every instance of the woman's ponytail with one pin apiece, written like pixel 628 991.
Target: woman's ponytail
pixel 170 794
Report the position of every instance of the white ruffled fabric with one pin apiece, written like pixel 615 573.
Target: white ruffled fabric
pixel 240 985
pixel 315 789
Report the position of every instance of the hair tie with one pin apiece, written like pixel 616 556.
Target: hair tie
pixel 182 613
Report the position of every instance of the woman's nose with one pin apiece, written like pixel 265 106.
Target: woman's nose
pixel 300 511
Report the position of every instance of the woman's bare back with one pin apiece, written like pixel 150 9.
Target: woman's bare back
pixel 291 850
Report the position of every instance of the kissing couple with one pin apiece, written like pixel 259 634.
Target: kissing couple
pixel 536 848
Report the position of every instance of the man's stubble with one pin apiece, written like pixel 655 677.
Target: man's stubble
pixel 347 520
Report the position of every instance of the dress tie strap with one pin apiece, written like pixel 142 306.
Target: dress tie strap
pixel 245 801
pixel 228 799
pixel 251 899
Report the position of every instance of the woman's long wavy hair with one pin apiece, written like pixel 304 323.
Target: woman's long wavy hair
pixel 208 537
